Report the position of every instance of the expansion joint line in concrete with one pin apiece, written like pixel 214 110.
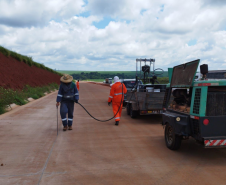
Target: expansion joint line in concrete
pixel 37 173
pixel 46 163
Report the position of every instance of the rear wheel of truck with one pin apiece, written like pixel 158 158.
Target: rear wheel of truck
pixel 172 140
pixel 124 104
pixel 133 113
pixel 128 108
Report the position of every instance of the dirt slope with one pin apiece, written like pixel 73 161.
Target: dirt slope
pixel 15 74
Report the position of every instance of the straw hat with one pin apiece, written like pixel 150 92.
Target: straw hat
pixel 66 78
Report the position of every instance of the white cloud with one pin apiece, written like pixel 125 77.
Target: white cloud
pixel 63 39
pixel 25 13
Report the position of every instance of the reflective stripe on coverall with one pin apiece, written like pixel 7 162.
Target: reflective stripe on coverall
pixel 67 107
pixel 116 98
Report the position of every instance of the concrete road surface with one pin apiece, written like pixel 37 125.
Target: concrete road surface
pixel 98 153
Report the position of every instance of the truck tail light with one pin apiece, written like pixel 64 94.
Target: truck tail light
pixel 206 121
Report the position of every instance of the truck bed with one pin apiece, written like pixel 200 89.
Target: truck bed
pixel 147 100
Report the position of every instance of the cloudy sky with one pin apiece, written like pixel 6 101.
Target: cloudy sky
pixel 110 35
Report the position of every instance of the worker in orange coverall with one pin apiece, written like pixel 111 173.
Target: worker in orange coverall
pixel 116 97
pixel 77 84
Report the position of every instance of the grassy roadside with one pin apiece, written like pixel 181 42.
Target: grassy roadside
pixel 161 80
pixel 8 96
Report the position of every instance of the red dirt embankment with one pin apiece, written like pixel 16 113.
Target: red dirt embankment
pixel 15 74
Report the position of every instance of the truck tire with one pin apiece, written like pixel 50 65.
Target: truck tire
pixel 133 113
pixel 173 141
pixel 128 108
pixel 124 104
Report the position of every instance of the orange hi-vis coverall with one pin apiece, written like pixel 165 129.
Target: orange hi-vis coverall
pixel 77 84
pixel 116 98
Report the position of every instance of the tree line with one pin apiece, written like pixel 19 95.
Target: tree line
pixel 96 75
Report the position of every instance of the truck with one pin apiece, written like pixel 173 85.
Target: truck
pixel 145 99
pixel 213 74
pixel 216 74
pixel 194 109
pixel 108 80
pixel 129 83
pixel 197 76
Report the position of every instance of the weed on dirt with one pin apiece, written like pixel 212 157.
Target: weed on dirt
pixel 19 101
pixel 19 97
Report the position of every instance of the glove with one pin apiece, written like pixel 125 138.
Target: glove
pixel 76 101
pixel 109 103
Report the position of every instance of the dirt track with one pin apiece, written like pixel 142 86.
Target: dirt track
pixel 95 152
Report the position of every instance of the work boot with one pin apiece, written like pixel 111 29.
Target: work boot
pixel 70 128
pixel 116 123
pixel 65 128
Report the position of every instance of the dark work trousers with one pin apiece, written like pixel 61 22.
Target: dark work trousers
pixel 67 107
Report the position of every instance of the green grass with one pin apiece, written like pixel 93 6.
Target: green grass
pixel 8 96
pixel 2 110
pixel 161 80
pixel 35 96
pixel 4 51
pixel 19 101
pixel 165 74
pixel 101 72
pixel 27 60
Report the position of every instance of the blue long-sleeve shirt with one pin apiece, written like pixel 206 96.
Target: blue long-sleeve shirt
pixel 67 90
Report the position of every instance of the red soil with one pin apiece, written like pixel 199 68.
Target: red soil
pixel 15 74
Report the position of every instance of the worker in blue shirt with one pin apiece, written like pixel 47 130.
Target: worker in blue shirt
pixel 67 95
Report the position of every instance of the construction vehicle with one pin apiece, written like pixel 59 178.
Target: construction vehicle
pixel 194 109
pixel 129 83
pixel 108 80
pixel 145 99
pixel 213 74
pixel 216 74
